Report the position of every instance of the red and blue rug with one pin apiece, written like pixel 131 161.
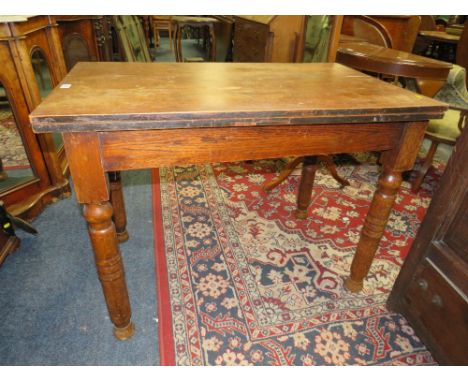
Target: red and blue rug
pixel 241 281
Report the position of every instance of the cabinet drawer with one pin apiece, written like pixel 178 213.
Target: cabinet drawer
pixel 439 309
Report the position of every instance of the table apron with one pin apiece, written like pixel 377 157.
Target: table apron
pixel 126 150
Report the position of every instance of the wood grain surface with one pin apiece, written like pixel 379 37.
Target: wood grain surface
pixel 103 96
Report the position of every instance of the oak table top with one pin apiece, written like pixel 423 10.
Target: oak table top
pixel 123 116
pixel 107 96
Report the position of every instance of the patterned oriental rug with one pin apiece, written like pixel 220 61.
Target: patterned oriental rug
pixel 11 146
pixel 241 281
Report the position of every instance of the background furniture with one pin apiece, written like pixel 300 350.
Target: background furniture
pixel 268 38
pixel 131 38
pixel 448 129
pixel 224 33
pixel 322 36
pixel 183 22
pixel 21 41
pixel 9 242
pixel 84 38
pixel 462 50
pixel 402 30
pixel 162 23
pixel 391 62
pixel 321 42
pixel 371 31
pixel 431 290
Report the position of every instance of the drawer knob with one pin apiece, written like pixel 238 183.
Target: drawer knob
pixel 437 301
pixel 423 284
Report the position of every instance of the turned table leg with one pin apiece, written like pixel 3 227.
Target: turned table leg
pixel 92 190
pixel 373 228
pixel 309 169
pixel 109 266
pixel 118 205
pixel 394 162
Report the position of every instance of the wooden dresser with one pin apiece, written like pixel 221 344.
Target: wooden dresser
pixel 268 38
pixel 432 288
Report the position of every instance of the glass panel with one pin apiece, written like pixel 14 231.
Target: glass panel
pixel 15 167
pixel 44 81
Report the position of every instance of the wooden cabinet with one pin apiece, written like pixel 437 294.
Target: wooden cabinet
pixel 268 38
pixel 32 63
pixel 84 38
pixel 432 288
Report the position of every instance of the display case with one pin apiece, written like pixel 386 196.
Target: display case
pixel 34 168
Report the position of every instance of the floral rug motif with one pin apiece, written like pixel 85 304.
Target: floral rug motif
pixel 249 284
pixel 11 146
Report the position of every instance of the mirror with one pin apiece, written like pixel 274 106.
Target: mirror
pixel 44 81
pixel 15 168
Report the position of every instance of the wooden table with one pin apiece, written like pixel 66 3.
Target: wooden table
pixel 123 116
pixel 378 59
pixel 440 36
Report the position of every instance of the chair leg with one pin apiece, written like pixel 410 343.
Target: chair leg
pixel 331 167
pixel 170 37
pixel 285 172
pixel 427 163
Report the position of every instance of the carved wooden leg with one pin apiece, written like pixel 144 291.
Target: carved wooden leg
pixel 92 190
pixel 285 172
pixel 331 167
pixel 425 167
pixel 118 205
pixel 394 162
pixel 309 168
pixel 109 267
pixel 373 228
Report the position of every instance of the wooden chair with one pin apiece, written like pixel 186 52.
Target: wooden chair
pixel 448 129
pixel 162 23
pixel 427 23
pixel 182 22
pixel 134 48
pixel 372 31
pixel 131 38
pixel 321 44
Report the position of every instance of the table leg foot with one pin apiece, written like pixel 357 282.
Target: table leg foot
pixel 353 286
pixel 124 333
pixel 301 214
pixel 122 237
